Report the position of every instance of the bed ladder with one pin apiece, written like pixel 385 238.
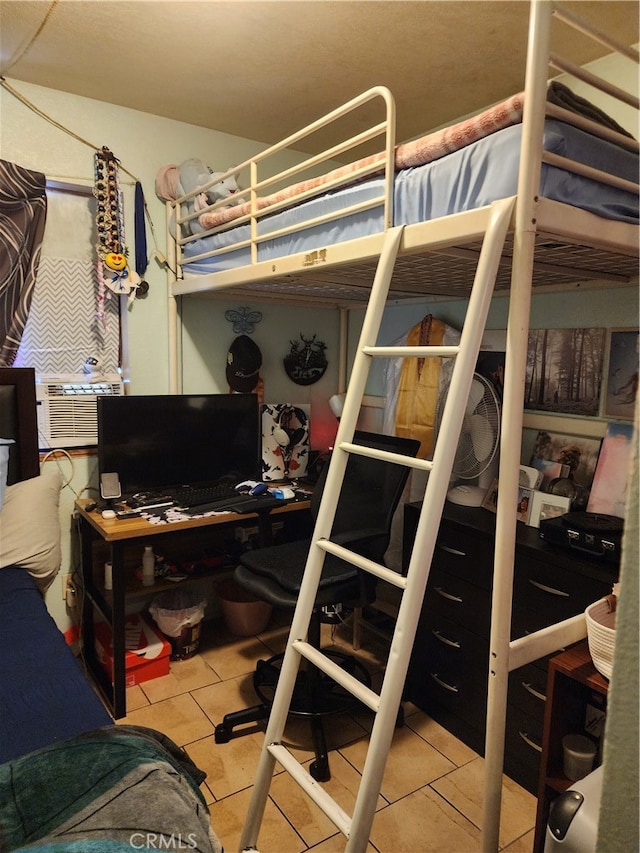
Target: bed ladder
pixel 357 828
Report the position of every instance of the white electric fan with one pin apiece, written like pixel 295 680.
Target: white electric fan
pixel 476 455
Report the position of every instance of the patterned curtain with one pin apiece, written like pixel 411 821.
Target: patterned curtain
pixel 23 212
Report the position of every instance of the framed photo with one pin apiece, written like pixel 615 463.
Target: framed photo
pixel 622 374
pixel 525 494
pixel 490 500
pixel 580 454
pixel 564 371
pixel 544 505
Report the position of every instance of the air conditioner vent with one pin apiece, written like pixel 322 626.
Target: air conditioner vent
pixel 78 389
pixel 68 409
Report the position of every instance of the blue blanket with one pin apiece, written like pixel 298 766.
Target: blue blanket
pixel 45 696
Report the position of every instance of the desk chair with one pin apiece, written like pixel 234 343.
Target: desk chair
pixel 370 494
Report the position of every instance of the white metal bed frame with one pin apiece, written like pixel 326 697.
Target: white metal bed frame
pixel 547 243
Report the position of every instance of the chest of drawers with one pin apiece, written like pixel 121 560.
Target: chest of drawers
pixel 447 675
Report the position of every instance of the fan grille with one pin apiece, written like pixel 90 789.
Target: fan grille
pixel 480 432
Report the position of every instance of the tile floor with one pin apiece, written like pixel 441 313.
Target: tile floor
pixel 431 797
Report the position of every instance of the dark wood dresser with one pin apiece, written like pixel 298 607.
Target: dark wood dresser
pixel 447 675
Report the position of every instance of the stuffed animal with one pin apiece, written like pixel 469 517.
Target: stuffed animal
pixel 173 182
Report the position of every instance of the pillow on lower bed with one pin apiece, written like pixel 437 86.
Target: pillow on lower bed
pixel 30 527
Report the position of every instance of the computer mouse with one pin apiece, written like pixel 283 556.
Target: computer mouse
pixel 259 489
pixel 108 513
pixel 246 485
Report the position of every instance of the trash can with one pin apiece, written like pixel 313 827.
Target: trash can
pixel 243 613
pixel 573 817
pixel 179 616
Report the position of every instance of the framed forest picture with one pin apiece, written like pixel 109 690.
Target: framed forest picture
pixel 564 371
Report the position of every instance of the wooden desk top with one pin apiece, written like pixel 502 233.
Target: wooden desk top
pixel 115 529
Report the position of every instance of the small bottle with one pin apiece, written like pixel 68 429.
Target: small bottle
pixel 148 566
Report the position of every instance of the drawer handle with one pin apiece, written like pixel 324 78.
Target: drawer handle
pixel 453 643
pixel 549 589
pixel 449 596
pixel 450 687
pixel 525 737
pixel 530 689
pixel 451 550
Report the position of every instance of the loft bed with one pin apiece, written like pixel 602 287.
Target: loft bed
pixel 556 237
pixel 297 236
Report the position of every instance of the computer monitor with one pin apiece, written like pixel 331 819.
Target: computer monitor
pixel 154 442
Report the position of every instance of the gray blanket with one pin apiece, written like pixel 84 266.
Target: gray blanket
pixel 113 789
pixel 562 96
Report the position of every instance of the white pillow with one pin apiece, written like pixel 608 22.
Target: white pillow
pixel 4 465
pixel 30 527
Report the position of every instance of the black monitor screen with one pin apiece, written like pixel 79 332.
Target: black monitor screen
pixel 157 441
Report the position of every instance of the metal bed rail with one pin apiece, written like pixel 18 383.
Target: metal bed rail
pixel 305 187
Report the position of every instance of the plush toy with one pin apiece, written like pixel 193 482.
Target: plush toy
pixel 175 181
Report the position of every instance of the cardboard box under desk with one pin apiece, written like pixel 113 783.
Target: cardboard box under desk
pixel 147 651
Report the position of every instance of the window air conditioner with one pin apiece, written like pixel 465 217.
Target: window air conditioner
pixel 67 408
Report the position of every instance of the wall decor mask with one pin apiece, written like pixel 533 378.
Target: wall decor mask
pixel 306 362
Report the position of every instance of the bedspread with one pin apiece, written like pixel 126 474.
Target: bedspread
pixel 424 150
pixel 112 789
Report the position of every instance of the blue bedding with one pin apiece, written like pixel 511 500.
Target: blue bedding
pixel 45 697
pixel 469 178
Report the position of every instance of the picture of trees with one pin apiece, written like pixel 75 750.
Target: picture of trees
pixel 564 370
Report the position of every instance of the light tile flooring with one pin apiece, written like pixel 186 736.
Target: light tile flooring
pixel 431 797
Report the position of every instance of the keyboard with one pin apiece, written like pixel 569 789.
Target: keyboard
pixel 187 496
pixel 237 503
pixel 183 496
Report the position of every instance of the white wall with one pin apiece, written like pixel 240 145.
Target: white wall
pixel 143 143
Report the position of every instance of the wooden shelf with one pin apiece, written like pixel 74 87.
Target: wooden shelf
pixel 573 682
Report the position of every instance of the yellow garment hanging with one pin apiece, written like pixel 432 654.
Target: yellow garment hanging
pixel 418 386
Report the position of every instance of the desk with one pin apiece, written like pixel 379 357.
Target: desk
pixel 122 542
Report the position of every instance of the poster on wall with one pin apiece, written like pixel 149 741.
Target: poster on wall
pixel 622 374
pixel 491 357
pixel 564 371
pixel 611 480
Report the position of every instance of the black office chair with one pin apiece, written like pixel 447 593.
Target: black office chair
pixel 370 494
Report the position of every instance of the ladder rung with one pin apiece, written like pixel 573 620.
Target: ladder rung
pixel 412 352
pixel 386 456
pixel 361 692
pixel 328 805
pixel 363 563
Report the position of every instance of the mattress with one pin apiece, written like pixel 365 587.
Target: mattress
pixel 45 697
pixel 466 179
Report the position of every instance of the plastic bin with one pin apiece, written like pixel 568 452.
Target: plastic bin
pixel 243 613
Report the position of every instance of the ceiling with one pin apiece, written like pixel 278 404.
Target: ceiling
pixel 261 69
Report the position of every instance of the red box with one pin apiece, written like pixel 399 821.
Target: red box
pixel 147 651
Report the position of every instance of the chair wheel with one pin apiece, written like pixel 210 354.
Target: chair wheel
pixel 320 771
pixel 222 734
